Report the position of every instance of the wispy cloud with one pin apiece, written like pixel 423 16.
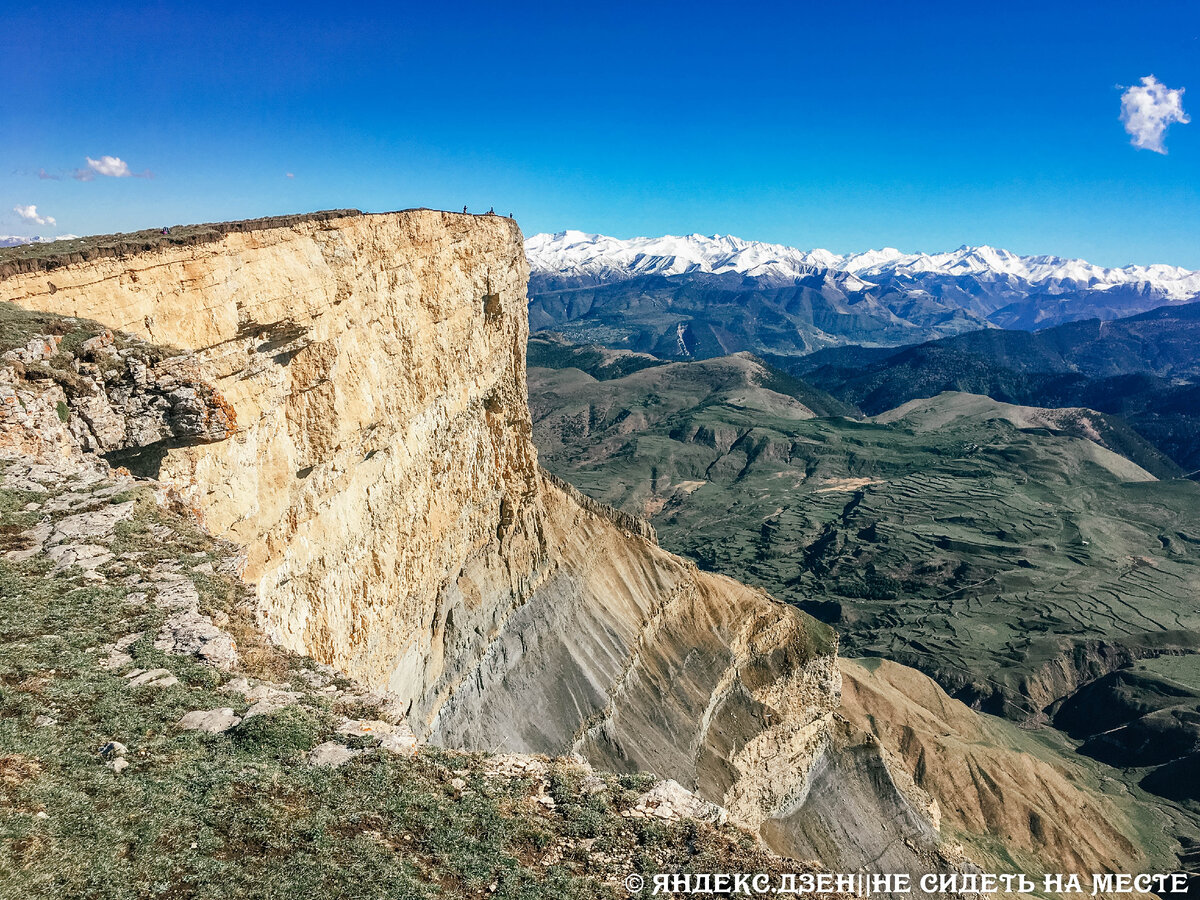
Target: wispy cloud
pixel 291 174
pixel 46 176
pixel 30 214
pixel 1146 111
pixel 109 167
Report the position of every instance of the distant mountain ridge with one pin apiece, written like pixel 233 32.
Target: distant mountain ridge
pixel 697 297
pixel 595 259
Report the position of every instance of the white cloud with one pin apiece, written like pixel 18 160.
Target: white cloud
pixel 110 166
pixel 1146 111
pixel 291 174
pixel 30 214
pixel 14 240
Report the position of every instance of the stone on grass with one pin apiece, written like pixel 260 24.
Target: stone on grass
pixel 189 633
pixel 210 721
pixel 331 754
pixel 113 749
pixel 153 678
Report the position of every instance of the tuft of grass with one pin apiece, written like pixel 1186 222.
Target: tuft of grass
pixel 283 733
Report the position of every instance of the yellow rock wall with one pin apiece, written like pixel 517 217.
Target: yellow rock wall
pixel 385 486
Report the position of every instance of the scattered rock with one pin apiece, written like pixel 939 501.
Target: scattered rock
pixel 117 657
pixel 40 347
pixel 118 765
pixel 671 800
pixel 175 591
pixel 154 678
pixel 99 342
pixel 364 727
pixel 331 754
pixel 394 709
pixel 188 633
pixel 88 557
pixel 397 738
pixel 314 679
pixel 113 749
pixel 210 721
pixel 266 698
pixel 400 740
pixel 515 765
pixel 44 722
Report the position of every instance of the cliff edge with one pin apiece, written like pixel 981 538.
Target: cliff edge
pixel 381 479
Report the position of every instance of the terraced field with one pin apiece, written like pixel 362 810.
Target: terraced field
pixel 994 547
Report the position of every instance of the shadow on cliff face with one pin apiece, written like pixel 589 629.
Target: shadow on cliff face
pixel 853 815
pixel 142 462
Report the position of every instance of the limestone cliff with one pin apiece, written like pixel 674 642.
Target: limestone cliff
pixel 383 483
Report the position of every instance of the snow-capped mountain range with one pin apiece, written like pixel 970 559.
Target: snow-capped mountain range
pixel 580 258
pixel 13 240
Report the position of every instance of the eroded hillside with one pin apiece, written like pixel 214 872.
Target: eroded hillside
pixel 152 741
pixel 1000 549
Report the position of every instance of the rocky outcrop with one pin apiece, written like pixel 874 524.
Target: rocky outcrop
pixel 383 483
pixel 70 394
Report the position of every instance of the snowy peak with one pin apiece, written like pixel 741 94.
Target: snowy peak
pixel 595 258
pixel 586 259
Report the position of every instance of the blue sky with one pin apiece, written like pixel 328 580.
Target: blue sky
pixel 844 126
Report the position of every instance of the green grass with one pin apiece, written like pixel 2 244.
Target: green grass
pixel 18 326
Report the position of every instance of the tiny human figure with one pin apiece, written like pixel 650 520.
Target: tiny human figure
pixel 166 231
pixel 464 209
pixel 492 211
pixel 510 215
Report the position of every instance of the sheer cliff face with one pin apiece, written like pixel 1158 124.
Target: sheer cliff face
pixel 376 367
pixel 383 482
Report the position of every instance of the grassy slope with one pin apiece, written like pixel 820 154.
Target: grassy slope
pixel 1142 368
pixel 240 814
